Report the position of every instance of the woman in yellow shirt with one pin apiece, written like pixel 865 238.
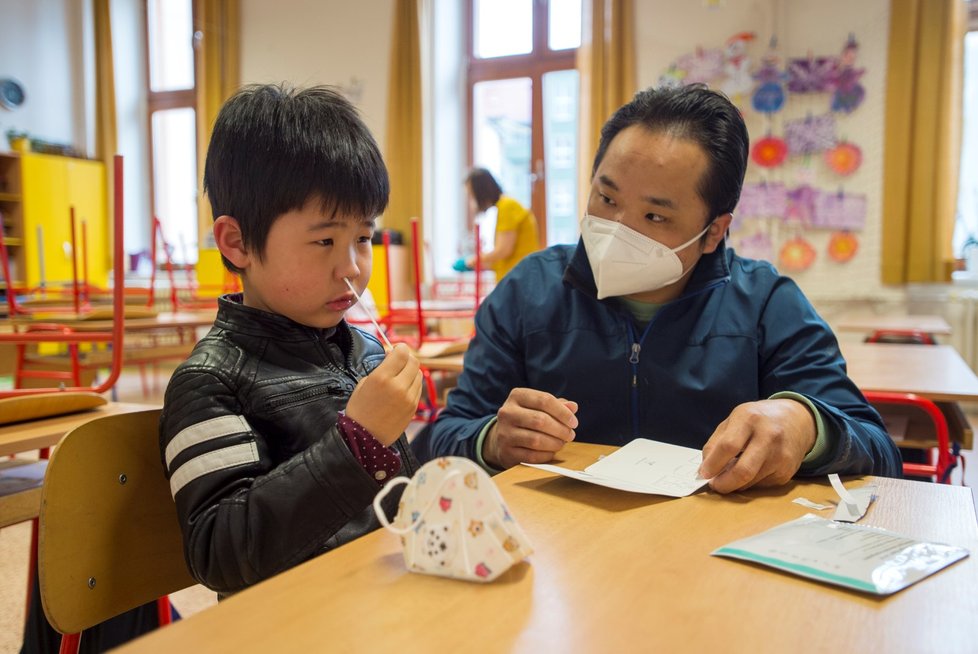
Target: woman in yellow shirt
pixel 516 226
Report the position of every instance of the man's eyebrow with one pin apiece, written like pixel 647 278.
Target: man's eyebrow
pixel 658 202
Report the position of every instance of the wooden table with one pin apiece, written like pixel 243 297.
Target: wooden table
pixel 936 372
pixel 163 321
pixel 868 323
pixel 612 571
pixel 447 363
pixel 46 432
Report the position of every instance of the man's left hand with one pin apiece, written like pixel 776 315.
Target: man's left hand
pixel 760 444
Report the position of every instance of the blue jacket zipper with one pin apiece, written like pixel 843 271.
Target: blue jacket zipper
pixel 636 349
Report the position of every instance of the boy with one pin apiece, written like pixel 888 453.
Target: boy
pixel 283 424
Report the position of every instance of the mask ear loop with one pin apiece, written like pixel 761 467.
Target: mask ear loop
pixel 397 481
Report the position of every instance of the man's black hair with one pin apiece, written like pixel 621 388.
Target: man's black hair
pixel 274 148
pixel 485 188
pixel 700 115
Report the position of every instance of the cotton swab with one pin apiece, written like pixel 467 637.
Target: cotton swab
pixel 369 315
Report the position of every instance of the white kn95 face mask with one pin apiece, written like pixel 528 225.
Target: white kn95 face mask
pixel 453 522
pixel 624 261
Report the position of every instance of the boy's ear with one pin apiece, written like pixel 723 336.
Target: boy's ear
pixel 227 235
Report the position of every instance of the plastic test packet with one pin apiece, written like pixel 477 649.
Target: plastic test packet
pixel 859 557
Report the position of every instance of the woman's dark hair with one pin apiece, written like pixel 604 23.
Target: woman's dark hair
pixel 274 148
pixel 485 188
pixel 700 115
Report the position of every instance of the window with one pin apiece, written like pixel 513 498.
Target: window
pixel 523 94
pixel 965 241
pixel 172 123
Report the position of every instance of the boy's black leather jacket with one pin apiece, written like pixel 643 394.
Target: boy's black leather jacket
pixel 261 477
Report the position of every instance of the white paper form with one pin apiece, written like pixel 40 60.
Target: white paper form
pixel 642 466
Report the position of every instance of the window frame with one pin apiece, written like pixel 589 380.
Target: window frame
pixel 163 101
pixel 534 65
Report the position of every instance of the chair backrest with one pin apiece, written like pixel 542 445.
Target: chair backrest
pixel 941 433
pixel 109 536
pixel 906 336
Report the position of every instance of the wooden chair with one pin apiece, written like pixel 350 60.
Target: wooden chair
pixel 109 536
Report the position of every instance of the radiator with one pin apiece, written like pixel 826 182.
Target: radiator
pixel 961 312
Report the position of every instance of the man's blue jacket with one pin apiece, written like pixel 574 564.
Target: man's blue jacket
pixel 739 333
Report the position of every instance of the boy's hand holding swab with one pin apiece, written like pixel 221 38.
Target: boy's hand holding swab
pixel 369 315
pixel 385 401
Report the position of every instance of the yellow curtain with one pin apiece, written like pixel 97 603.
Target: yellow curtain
pixel 217 25
pixel 105 123
pixel 606 62
pixel 403 137
pixel 923 135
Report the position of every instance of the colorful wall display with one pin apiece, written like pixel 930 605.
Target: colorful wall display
pixel 801 158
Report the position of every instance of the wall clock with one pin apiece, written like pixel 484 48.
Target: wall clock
pixel 11 93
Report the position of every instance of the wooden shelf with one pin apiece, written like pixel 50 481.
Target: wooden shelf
pixel 9 197
pixel 13 242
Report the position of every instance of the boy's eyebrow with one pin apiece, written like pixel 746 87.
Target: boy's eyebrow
pixel 658 202
pixel 325 224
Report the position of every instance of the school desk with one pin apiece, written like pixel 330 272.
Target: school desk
pixel 868 323
pixel 935 371
pixel 612 572
pixel 37 434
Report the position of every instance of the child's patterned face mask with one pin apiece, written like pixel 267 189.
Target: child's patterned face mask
pixel 453 522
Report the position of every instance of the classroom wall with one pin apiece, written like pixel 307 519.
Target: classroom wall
pixel 668 29
pixel 41 47
pixel 337 42
pixel 307 42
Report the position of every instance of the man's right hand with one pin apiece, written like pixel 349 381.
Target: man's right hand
pixel 531 426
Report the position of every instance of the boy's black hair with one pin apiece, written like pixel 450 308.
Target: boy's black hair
pixel 703 116
pixel 274 148
pixel 485 188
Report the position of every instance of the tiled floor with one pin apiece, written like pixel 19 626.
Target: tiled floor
pixel 14 541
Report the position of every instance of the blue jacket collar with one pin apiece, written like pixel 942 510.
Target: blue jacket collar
pixel 710 269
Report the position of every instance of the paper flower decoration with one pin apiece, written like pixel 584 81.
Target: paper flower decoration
pixel 812 75
pixel 844 158
pixel 839 211
pixel 843 246
pixel 810 134
pixel 769 152
pixel 849 93
pixel 762 200
pixel 796 255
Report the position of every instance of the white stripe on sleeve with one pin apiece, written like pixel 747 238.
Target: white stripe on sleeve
pixel 209 462
pixel 205 431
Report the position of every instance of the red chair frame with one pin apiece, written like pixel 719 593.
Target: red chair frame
pixel 913 336
pixel 945 457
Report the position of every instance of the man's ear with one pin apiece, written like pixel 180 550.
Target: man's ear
pixel 227 235
pixel 717 230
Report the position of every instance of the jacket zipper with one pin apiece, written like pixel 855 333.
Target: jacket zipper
pixel 636 349
pixel 347 369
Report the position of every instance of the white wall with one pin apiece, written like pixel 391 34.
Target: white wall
pixel 668 29
pixel 307 42
pixel 41 47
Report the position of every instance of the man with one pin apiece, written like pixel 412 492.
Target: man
pixel 651 327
